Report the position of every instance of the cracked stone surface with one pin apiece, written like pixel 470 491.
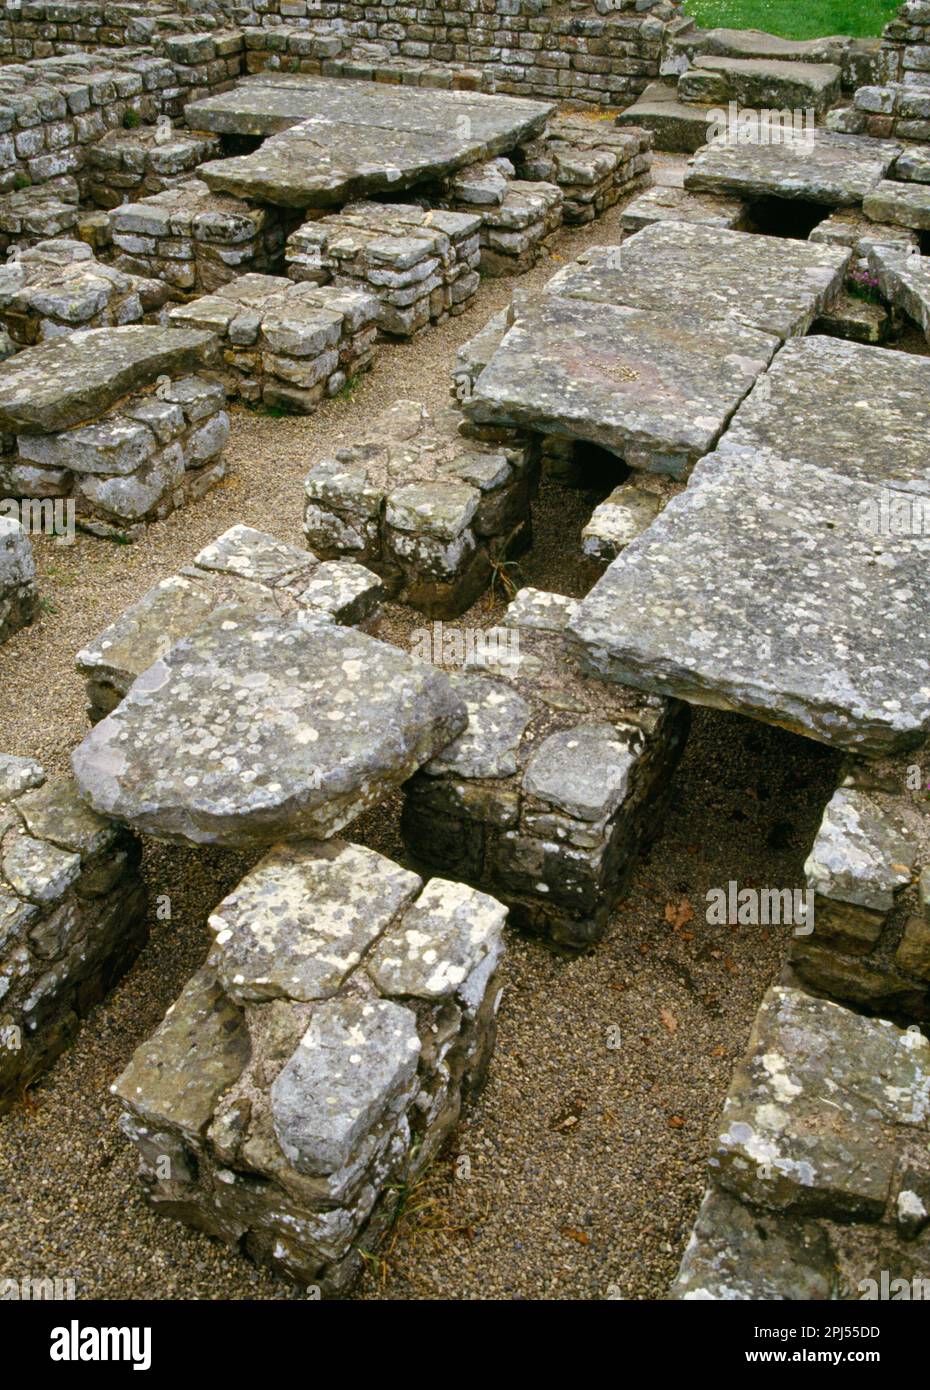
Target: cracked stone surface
pixel 259 728
pixel 441 940
pixel 767 596
pixel 300 922
pixel 770 283
pixel 655 389
pixel 836 170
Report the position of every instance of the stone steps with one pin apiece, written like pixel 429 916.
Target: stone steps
pixel 679 127
pixel 757 82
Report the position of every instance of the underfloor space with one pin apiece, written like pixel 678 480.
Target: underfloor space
pixel 586 1153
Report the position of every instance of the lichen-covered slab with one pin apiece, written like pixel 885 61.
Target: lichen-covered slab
pixel 656 389
pixel 820 1107
pixel 770 283
pixel 439 943
pixel 859 411
pixel 902 204
pixel 836 170
pixel 861 855
pixel 904 279
pixel 661 204
pixel 261 728
pixel 60 383
pixel 335 141
pixel 354 1063
pixel 759 590
pixel 497 718
pixel 300 922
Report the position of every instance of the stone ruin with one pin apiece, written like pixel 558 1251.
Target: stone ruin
pixel 197 209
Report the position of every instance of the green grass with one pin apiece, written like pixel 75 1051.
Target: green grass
pixel 796 19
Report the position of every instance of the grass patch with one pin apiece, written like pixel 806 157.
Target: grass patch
pixel 796 19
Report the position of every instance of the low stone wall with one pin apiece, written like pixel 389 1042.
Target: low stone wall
pixel 556 784
pixel 594 165
pixel 19 597
pixel 899 104
pixel 244 567
pixel 59 286
pixel 156 448
pixel 805 1208
pixel 195 240
pixel 518 218
pixel 42 28
pixel 320 1058
pixel 130 164
pixel 430 511
pixel 869 869
pixel 72 913
pixel 420 264
pixel 289 346
pixel 30 215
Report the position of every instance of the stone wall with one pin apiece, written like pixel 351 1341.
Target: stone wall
pixel 901 105
pixel 72 916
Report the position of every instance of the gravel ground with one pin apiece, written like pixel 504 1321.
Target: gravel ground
pixel 578 1172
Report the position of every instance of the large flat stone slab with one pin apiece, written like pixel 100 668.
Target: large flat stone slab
pixel 836 170
pixel 770 283
pixel 759 590
pixel 258 728
pixel 655 389
pixel 774 83
pixel 61 383
pixel 902 204
pixel 336 141
pixel 862 412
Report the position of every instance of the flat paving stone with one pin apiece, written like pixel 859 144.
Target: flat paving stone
pixel 655 389
pixel 58 384
pixel 758 590
pixel 335 141
pixel 663 204
pixel 860 411
pixel 258 728
pixel 773 83
pixel 902 204
pixel 770 283
pixel 836 170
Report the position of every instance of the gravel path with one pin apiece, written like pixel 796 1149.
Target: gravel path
pixel 578 1172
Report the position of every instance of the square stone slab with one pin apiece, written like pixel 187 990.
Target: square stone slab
pixel 68 380
pixel 759 590
pixel 836 170
pixel 769 283
pixel 257 728
pixel 860 411
pixel 655 389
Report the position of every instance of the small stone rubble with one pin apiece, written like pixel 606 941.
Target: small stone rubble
pixel 243 567
pixel 58 286
pixel 805 1208
pixel 558 781
pixel 320 1058
pixel 195 240
pixel 72 917
pixel 287 345
pixel 869 868
pixel 420 264
pixel 265 726
pixel 19 597
pixel 432 512
pixel 113 418
pixel 595 165
pixel 130 164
